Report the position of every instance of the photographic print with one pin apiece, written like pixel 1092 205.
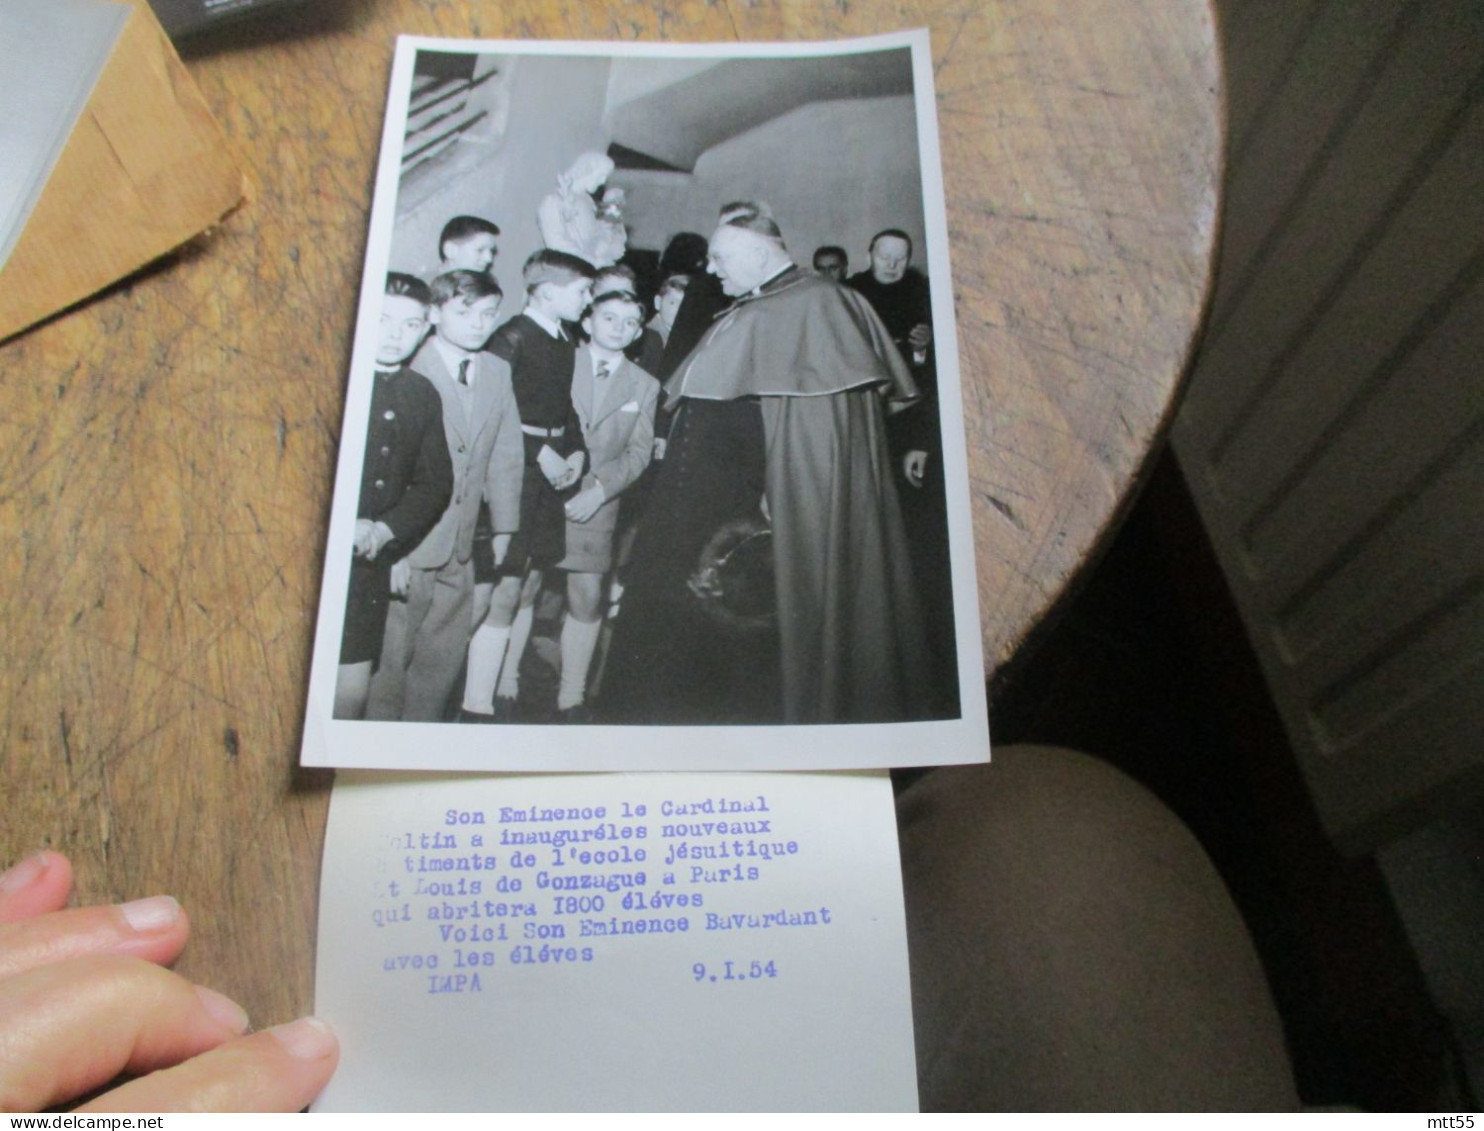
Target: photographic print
pixel 653 450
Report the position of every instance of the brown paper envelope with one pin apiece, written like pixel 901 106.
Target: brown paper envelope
pixel 146 168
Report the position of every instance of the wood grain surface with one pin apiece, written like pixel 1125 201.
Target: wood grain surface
pixel 167 450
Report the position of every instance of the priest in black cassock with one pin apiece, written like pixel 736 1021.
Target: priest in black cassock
pixel 900 295
pixel 779 442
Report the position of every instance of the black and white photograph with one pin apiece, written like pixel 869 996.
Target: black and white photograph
pixel 653 433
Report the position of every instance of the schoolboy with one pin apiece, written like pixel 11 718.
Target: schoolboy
pixel 406 482
pixel 615 401
pixel 649 355
pixel 666 305
pixel 540 355
pixel 467 243
pixel 619 277
pixel 427 631
pixel 832 262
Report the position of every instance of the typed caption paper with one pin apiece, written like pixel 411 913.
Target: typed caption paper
pixel 622 942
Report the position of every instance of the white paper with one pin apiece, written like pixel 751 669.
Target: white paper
pixel 466 973
pixel 54 51
pixel 519 135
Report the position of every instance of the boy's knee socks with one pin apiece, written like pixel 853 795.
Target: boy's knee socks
pixel 579 639
pixel 520 634
pixel 486 650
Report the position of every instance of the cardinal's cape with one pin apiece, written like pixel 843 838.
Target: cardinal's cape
pixel 825 373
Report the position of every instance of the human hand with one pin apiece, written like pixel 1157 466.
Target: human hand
pixel 401 577
pixel 84 997
pixel 920 337
pixel 364 538
pixel 500 546
pixel 553 466
pixel 381 534
pixel 914 467
pixel 583 505
pixel 576 464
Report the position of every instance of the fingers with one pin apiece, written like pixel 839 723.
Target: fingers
pixel 38 884
pixel 82 1001
pixel 153 929
pixel 280 1069
pixel 67 1028
pixel 34 932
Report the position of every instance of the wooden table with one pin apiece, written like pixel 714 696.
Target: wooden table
pixel 169 447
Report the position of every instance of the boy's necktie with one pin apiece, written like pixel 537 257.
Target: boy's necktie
pixel 602 370
pixel 464 373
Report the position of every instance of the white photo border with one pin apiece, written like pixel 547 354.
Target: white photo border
pixel 330 742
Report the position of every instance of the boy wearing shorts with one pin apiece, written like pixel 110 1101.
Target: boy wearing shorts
pixel 615 402
pixel 406 481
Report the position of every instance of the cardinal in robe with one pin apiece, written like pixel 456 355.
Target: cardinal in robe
pixel 771 580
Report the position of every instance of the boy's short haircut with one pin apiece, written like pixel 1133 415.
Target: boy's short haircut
pixel 752 216
pixel 462 227
pixel 627 297
pixel 408 286
pixel 830 250
pixel 621 271
pixel 546 265
pixel 679 283
pixel 893 233
pixel 471 286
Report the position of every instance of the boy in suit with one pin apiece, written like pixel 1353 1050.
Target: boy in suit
pixel 540 356
pixel 615 401
pixel 428 629
pixel 620 277
pixel 468 243
pixel 406 482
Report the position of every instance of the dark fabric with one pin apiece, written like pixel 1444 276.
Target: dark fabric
pixel 925 519
pixel 406 480
pixel 670 662
pixel 703 301
pixel 916 428
pixel 365 609
pixel 925 516
pixel 853 647
pixel 1074 949
pixel 407 476
pixel 901 305
pixel 541 375
pixel 484 550
pixel 849 640
pixel 542 538
pixel 648 351
pixel 803 335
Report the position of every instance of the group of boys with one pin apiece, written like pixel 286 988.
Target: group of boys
pixel 495 453
pixel 546 420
